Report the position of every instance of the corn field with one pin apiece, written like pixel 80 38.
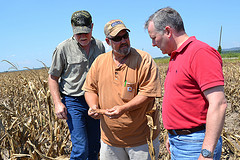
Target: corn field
pixel 29 129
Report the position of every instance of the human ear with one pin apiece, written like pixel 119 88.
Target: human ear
pixel 92 27
pixel 168 31
pixel 108 41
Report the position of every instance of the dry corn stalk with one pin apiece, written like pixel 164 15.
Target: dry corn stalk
pixel 151 127
pixel 27 114
pixel 27 118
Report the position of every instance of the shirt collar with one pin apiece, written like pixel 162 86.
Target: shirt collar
pixel 93 41
pixel 179 50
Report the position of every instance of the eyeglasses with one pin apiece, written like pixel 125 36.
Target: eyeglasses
pixel 119 38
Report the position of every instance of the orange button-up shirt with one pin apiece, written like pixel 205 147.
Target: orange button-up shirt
pixel 118 85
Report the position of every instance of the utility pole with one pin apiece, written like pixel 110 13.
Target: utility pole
pixel 219 47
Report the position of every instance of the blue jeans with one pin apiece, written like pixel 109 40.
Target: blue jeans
pixel 188 147
pixel 85 131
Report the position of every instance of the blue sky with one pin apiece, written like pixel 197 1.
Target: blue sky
pixel 30 29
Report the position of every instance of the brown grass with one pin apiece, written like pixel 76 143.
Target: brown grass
pixel 30 130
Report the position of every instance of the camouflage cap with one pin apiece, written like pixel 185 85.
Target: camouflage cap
pixel 113 27
pixel 81 22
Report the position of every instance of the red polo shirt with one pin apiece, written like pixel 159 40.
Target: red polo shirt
pixel 193 68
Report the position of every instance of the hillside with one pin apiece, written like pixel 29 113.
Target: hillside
pixel 231 50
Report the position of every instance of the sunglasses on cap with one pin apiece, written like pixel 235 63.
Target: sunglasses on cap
pixel 119 38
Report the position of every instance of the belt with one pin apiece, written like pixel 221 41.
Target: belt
pixel 186 131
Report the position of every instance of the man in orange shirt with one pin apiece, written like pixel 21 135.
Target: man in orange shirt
pixel 123 84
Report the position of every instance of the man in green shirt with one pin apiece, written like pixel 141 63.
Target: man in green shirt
pixel 70 63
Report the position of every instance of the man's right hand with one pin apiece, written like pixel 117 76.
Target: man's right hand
pixel 93 112
pixel 168 145
pixel 61 111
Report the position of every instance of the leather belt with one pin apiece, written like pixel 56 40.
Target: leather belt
pixel 186 131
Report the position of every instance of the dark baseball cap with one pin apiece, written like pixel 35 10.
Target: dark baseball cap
pixel 81 22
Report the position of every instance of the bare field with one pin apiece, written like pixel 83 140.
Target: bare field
pixel 30 130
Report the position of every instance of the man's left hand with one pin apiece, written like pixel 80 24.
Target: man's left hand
pixel 115 112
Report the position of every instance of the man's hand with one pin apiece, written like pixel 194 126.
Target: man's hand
pixel 61 111
pixel 168 145
pixel 202 158
pixel 115 112
pixel 95 112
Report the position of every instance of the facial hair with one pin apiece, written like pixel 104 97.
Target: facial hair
pixel 124 49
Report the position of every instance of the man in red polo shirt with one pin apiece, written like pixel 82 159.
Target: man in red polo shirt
pixel 194 104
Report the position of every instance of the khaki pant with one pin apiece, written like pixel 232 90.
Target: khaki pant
pixel 134 153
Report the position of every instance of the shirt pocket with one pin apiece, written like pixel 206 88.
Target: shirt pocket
pixel 77 65
pixel 128 91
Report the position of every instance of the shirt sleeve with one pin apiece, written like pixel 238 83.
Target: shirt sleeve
pixel 149 82
pixel 206 68
pixel 90 84
pixel 57 65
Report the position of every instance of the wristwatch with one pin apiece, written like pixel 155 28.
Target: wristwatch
pixel 206 153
